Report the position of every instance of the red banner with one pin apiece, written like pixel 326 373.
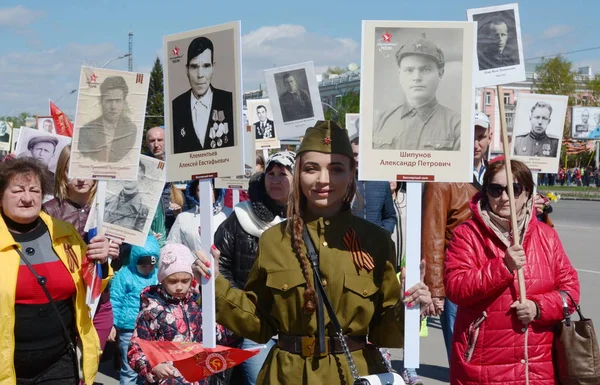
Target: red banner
pixel 193 361
pixel 61 122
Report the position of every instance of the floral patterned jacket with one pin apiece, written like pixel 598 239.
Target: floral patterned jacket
pixel 164 318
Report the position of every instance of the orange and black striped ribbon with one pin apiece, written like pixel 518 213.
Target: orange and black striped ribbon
pixel 73 262
pixel 362 259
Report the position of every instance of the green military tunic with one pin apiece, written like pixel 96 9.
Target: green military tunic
pixel 530 145
pixel 428 127
pixel 366 303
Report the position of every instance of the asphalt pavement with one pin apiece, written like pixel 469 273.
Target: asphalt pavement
pixel 578 225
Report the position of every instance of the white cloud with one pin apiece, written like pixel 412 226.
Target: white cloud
pixel 555 31
pixel 275 46
pixel 18 17
pixel 29 79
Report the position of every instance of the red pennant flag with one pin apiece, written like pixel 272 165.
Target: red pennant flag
pixel 193 361
pixel 61 122
pixel 92 276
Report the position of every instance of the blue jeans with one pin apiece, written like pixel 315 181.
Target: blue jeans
pixel 251 367
pixel 447 319
pixel 127 375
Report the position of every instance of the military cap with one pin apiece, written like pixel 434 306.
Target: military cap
pixel 326 136
pixel 113 82
pixel 197 46
pixel 424 47
pixel 41 139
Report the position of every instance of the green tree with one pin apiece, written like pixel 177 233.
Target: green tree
pixel 18 120
pixel 155 105
pixel 555 76
pixel 348 103
pixel 333 71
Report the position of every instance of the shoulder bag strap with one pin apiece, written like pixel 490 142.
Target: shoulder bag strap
pixel 41 280
pixel 334 320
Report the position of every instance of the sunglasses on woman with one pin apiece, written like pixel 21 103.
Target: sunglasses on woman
pixel 495 190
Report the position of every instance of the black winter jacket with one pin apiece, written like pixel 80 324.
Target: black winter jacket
pixel 238 247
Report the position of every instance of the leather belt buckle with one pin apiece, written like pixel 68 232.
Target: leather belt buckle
pixel 310 347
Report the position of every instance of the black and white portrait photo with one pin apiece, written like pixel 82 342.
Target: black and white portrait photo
pixel 42 146
pixel 498 44
pixel 293 94
pixel 203 102
pixel 45 124
pixel 265 128
pixel 416 97
pixel 539 123
pixel 109 124
pixel 203 115
pixel 416 119
pixel 585 123
pixel 5 132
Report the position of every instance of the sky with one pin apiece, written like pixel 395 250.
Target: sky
pixel 44 43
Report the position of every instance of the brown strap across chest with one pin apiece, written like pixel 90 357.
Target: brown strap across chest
pixel 308 346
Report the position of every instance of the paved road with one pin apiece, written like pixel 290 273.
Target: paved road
pixel 577 223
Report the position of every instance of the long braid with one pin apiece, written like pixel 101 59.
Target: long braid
pixel 295 225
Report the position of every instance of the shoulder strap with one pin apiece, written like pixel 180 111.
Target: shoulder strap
pixel 41 280
pixel 314 259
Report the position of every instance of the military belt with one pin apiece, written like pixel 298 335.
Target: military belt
pixel 307 346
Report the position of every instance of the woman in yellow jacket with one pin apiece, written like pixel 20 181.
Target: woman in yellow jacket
pixel 34 347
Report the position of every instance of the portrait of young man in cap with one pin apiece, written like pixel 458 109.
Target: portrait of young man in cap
pixel 126 208
pixel 203 115
pixel 112 136
pixel 419 122
pixel 294 101
pixel 42 148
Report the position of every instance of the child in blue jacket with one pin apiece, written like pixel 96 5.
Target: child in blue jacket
pixel 126 287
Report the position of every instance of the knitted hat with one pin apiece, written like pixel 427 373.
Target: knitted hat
pixel 327 137
pixel 175 258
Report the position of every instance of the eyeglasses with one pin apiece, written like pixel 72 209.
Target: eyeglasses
pixel 495 190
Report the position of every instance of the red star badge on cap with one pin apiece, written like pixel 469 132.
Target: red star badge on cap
pixel 327 140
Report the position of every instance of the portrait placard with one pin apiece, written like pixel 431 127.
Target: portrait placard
pixel 352 125
pixel 585 123
pixel 16 132
pixel 131 204
pixel 6 132
pixel 499 45
pixel 43 146
pixel 260 116
pixel 416 101
pixel 295 98
pixel 45 123
pixel 537 137
pixel 109 124
pixel 240 182
pixel 203 103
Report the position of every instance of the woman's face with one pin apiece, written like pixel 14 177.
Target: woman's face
pixel 324 180
pixel 78 186
pixel 501 204
pixel 22 199
pixel 277 183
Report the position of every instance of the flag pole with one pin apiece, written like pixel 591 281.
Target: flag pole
pixel 511 193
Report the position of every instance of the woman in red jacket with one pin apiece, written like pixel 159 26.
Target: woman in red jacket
pixel 497 339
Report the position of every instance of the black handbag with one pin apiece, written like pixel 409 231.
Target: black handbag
pixel 390 377
pixel 74 349
pixel 575 349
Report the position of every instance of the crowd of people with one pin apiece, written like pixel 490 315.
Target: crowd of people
pixel 267 294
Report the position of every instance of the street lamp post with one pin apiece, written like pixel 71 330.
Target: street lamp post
pixel 117 58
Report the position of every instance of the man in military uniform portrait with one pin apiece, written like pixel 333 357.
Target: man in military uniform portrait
pixel 493 50
pixel 584 126
pixel 112 136
pixel 537 142
pixel 420 122
pixel 295 102
pixel 203 115
pixel 126 208
pixel 264 128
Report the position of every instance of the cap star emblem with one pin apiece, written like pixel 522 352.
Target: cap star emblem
pixel 418 46
pixel 327 140
pixel 175 51
pixel 93 78
pixel 387 37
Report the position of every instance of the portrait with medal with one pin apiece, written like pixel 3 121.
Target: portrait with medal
pixel 537 132
pixel 203 108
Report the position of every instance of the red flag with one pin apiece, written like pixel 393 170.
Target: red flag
pixel 61 122
pixel 92 276
pixel 193 361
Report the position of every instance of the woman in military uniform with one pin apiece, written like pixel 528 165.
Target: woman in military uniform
pixel 356 265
